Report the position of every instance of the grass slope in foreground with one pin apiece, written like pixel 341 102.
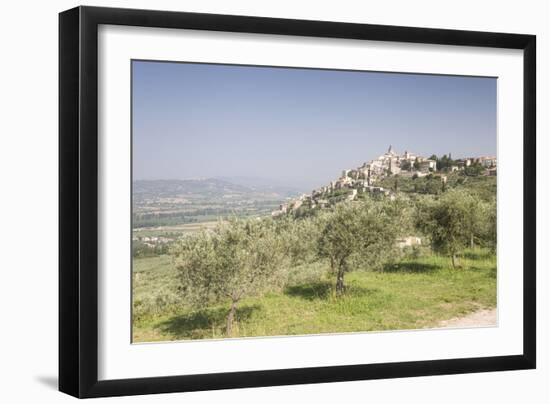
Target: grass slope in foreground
pixel 415 293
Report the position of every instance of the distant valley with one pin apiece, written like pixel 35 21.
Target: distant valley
pixel 175 202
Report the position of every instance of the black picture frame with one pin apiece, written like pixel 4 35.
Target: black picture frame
pixel 78 201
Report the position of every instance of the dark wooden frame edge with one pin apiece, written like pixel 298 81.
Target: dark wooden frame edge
pixel 78 175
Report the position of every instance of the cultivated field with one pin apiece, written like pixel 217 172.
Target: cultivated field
pixel 177 229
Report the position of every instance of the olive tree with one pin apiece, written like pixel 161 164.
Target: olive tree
pixel 297 236
pixel 356 230
pixel 452 221
pixel 487 225
pixel 237 259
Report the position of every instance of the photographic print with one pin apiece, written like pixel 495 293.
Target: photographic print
pixel 275 201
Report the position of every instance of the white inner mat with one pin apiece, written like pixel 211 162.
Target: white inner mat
pixel 118 358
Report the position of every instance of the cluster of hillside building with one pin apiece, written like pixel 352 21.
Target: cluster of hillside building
pixel 153 240
pixel 365 177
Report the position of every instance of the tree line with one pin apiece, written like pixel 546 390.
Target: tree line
pixel 247 257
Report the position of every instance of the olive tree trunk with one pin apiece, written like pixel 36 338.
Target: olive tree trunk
pixel 454 260
pixel 340 287
pixel 231 319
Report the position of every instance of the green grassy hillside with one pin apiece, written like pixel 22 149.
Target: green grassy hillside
pixel 411 294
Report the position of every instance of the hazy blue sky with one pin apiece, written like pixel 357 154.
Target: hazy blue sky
pixel 298 126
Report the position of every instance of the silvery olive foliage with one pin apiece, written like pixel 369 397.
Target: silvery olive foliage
pixel 236 259
pixel 456 220
pixel 299 238
pixel 366 231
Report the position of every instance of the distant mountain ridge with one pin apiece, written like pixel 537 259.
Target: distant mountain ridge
pixel 263 184
pixel 167 188
pixel 211 187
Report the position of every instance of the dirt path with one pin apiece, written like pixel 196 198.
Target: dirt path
pixel 481 318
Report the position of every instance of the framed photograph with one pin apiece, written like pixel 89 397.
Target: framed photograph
pixel 250 201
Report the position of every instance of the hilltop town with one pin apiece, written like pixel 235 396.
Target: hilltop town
pixel 368 177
